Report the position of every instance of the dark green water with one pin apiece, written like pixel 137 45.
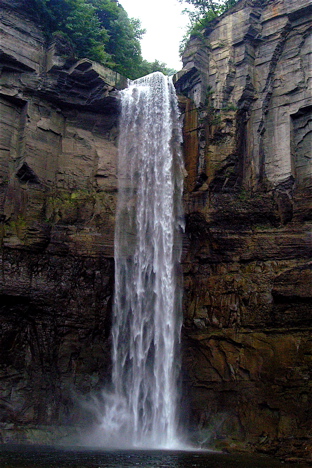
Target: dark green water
pixel 49 457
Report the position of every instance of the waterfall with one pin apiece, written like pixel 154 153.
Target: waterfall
pixel 147 309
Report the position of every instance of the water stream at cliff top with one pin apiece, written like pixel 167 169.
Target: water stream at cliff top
pixel 142 411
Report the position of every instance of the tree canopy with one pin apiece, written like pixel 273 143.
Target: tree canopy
pixel 204 11
pixel 100 30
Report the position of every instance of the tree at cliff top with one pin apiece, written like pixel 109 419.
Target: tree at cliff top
pixel 124 33
pixel 204 11
pixel 98 29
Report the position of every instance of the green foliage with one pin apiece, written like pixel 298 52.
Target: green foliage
pixel 99 30
pixel 209 94
pixel 201 13
pixel 78 22
pixel 230 107
pixel 151 67
pixel 212 8
pixel 124 36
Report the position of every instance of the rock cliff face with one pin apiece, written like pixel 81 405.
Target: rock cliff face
pixel 247 264
pixel 57 205
pixel 246 94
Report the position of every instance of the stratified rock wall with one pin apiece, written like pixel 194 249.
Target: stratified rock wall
pixel 57 206
pixel 247 265
pixel 246 89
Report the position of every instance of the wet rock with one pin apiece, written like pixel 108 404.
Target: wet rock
pixel 57 203
pixel 247 245
pixel 246 260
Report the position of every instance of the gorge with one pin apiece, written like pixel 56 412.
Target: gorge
pixel 245 92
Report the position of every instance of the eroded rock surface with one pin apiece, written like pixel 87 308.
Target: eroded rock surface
pixel 246 90
pixel 57 203
pixel 247 95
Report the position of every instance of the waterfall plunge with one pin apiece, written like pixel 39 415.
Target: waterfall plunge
pixel 142 412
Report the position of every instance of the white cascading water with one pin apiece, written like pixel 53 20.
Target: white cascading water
pixel 143 410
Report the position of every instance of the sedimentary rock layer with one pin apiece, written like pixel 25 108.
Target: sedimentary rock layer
pixel 57 206
pixel 247 93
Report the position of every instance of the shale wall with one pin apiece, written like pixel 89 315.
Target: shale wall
pixel 247 263
pixel 245 92
pixel 57 208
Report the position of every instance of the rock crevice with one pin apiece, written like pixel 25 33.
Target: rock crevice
pixel 245 92
pixel 58 131
pixel 246 89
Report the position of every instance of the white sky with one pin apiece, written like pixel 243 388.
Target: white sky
pixel 165 27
